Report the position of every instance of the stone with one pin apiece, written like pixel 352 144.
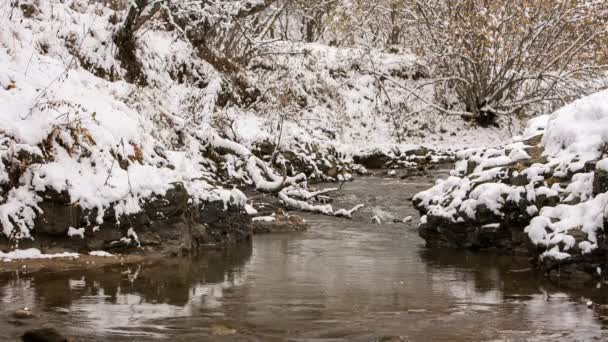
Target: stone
pixel 221 330
pixel 43 335
pixel 58 214
pixel 471 165
pixel 24 313
pixel 600 182
pixel 374 159
pixel 533 141
pixel 283 223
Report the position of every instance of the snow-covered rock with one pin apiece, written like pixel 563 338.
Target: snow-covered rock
pixel 544 194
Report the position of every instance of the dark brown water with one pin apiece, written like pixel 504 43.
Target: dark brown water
pixel 341 281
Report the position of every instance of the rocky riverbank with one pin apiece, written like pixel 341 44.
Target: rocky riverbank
pixel 170 224
pixel 181 221
pixel 544 195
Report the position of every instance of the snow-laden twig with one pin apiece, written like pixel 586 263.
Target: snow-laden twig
pixel 348 213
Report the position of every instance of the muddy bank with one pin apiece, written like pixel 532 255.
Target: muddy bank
pixel 73 264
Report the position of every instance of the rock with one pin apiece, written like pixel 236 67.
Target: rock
pixel 43 335
pixel 535 153
pixel 221 330
pixel 516 178
pixel 471 165
pixel 281 223
pixel 534 141
pixel 332 172
pixel 601 309
pixel 600 181
pixel 392 339
pixel 58 214
pixel 373 159
pixel 150 239
pixel 24 313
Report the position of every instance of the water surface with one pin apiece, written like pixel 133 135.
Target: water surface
pixel 343 280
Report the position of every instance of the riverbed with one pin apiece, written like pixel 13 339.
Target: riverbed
pixel 342 280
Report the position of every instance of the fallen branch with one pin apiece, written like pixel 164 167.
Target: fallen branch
pixel 325 209
pixel 305 206
pixel 260 173
pixel 265 179
pixel 348 213
pixel 306 195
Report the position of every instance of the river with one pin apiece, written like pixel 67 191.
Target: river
pixel 343 280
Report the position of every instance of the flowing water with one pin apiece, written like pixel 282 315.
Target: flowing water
pixel 343 280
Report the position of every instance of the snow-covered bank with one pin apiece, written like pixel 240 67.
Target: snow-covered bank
pixel 83 156
pixel 545 194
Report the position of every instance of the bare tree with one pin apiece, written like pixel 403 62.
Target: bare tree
pixel 223 33
pixel 501 57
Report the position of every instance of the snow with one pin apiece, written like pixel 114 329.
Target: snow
pixel 534 127
pixel 490 195
pixel 33 253
pixel 100 254
pixel 250 210
pixel 76 232
pixel 602 164
pixel 555 253
pixel 580 128
pixel 264 219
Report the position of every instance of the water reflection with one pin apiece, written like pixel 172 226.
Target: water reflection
pixel 105 300
pixel 526 301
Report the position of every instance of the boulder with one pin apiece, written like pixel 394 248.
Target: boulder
pixel 373 159
pixel 600 181
pixel 281 223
